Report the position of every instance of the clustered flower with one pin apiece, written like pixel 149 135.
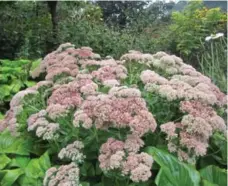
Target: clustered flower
pixel 108 72
pixel 122 107
pixel 181 87
pixel 44 129
pixel 16 106
pixel 73 152
pixel 117 155
pixel 65 175
pixel 194 130
pixel 74 78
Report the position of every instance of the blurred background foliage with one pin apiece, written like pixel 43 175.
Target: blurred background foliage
pixel 30 30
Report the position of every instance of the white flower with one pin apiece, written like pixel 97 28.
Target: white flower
pixel 214 36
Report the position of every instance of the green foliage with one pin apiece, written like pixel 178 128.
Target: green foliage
pixel 214 175
pixel 192 25
pixel 173 172
pixel 213 61
pixel 17 166
pixel 14 76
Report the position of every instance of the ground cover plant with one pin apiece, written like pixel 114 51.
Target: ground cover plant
pixel 14 76
pixel 141 120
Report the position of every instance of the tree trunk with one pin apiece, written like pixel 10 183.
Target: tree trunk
pixel 52 5
pixel 52 42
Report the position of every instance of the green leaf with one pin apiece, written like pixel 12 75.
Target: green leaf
pixel 214 175
pixel 37 167
pixel 11 176
pixel 87 169
pixel 207 183
pixel 4 160
pixel 173 172
pixel 20 162
pixel 85 183
pixel 14 145
pixel 220 141
pixel 27 181
pixel 30 83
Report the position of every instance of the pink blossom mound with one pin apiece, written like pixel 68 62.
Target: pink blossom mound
pixel 194 129
pixel 114 155
pixel 65 60
pixel 183 87
pixel 104 73
pixel 43 128
pixel 74 88
pixel 121 108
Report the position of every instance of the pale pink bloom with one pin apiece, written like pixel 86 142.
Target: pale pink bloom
pixel 170 129
pixel 64 95
pixel 116 160
pixel 124 92
pixel 57 71
pixel 160 54
pixel 133 143
pixel 149 76
pixel 217 123
pixel 111 83
pixel 73 152
pixel 83 117
pixel 167 60
pixel 172 147
pixel 65 175
pixel 197 125
pixel 56 110
pixel 89 89
pixel 140 173
pixel 182 156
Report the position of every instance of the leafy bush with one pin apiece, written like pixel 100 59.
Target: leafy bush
pixel 13 78
pixel 192 25
pixel 117 122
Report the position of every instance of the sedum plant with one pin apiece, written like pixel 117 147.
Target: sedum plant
pixel 141 120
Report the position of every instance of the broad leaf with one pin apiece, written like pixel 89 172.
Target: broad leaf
pixel 27 181
pixel 20 162
pixel 214 175
pixel 173 172
pixel 37 167
pixel 4 160
pixel 11 176
pixel 14 145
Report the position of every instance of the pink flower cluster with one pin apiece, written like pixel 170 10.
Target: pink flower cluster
pixel 122 108
pixel 183 87
pixel 73 152
pixel 137 56
pixel 65 175
pixel 64 61
pixel 116 155
pixel 149 76
pixel 70 95
pixel 44 129
pixel 106 62
pixel 117 72
pixel 194 130
pixel 16 106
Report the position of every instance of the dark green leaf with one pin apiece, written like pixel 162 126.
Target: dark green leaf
pixel 173 172
pixel 214 175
